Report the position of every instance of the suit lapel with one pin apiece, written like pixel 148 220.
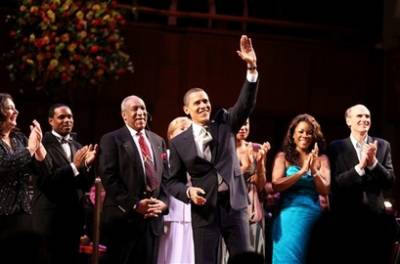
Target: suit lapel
pixel 213 143
pixel 351 152
pixel 129 144
pixel 190 147
pixel 131 149
pixel 73 149
pixel 56 145
pixel 189 142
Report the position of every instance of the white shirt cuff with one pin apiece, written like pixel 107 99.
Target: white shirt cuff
pixel 252 76
pixel 74 169
pixel 359 170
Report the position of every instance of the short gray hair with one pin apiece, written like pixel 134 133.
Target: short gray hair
pixel 348 110
pixel 126 99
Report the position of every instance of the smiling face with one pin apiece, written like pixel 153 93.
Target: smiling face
pixel 134 113
pixel 62 120
pixel 10 115
pixel 198 107
pixel 358 119
pixel 244 131
pixel 303 136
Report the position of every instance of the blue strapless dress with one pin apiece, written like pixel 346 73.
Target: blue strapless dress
pixel 292 228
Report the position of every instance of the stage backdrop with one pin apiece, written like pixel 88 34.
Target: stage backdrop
pixel 321 77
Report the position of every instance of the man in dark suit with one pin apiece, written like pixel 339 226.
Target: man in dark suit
pixel 362 171
pixel 132 163
pixel 58 198
pixel 207 152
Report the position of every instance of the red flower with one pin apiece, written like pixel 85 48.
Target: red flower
pixel 34 10
pixel 65 37
pixel 94 49
pixel 121 72
pixel 96 22
pixel 64 40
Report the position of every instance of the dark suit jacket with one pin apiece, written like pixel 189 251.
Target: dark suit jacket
pixel 348 187
pixel 124 180
pixel 57 203
pixel 224 160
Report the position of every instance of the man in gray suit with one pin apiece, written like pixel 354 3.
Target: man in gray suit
pixel 207 152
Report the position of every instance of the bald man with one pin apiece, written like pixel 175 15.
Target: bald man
pixel 132 163
pixel 362 171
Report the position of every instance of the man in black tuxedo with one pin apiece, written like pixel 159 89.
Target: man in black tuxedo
pixel 58 198
pixel 132 163
pixel 207 152
pixel 362 171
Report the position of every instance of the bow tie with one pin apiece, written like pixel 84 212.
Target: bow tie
pixel 64 140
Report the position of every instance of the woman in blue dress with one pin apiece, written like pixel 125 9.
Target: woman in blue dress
pixel 301 173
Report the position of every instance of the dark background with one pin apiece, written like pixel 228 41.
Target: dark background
pixel 318 57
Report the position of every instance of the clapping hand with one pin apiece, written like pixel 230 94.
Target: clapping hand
pixel 35 137
pixel 368 154
pixel 85 155
pixel 79 157
pixel 91 154
pixel 311 162
pixel 315 163
pixel 262 152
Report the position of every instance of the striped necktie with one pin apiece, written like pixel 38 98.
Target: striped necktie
pixel 152 181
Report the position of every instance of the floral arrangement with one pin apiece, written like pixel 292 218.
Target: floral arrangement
pixel 61 40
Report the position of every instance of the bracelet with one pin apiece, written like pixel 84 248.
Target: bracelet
pixel 252 68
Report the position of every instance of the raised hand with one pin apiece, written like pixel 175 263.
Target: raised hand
pixel 247 52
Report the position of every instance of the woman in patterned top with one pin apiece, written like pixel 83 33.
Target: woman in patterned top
pixel 16 167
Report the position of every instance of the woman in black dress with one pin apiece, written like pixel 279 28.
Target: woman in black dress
pixel 19 158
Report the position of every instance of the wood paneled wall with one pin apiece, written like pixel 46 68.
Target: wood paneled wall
pixel 297 75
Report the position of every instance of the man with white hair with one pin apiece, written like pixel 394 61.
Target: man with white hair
pixel 362 171
pixel 132 163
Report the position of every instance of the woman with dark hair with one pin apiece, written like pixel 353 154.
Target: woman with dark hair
pixel 252 157
pixel 301 173
pixel 16 168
